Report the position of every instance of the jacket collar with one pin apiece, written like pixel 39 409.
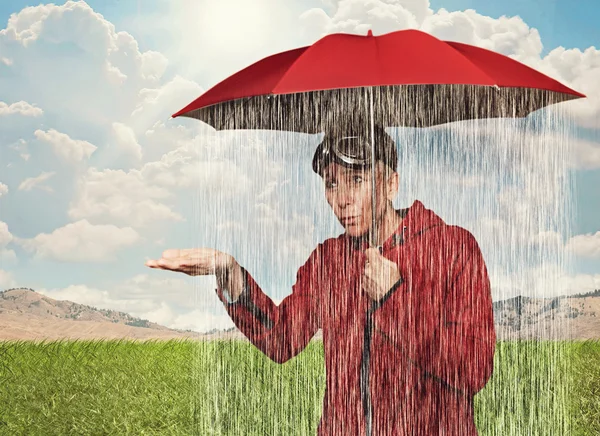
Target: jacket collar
pixel 416 219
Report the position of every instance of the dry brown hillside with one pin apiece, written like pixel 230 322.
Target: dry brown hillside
pixel 26 314
pixel 566 317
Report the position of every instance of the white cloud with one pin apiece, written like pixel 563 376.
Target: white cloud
pixel 158 104
pixel 579 70
pixel 6 254
pixel 505 232
pixel 151 121
pixel 20 107
pixel 71 150
pixel 81 242
pixel 550 239
pixel 136 295
pixel 126 141
pixel 174 300
pixel 62 39
pixel 7 280
pixel 586 155
pixel 227 226
pixel 356 16
pixel 419 9
pixel 81 294
pixel 177 172
pixel 165 136
pixel 3 189
pixel 153 65
pixel 544 280
pixel 510 36
pixel 21 147
pixel 5 236
pixel 138 197
pixel 580 283
pixel 585 245
pixel 172 287
pixel 36 182
pixel 116 196
pixel 517 232
pixel 290 234
pixel 532 148
pixel 522 148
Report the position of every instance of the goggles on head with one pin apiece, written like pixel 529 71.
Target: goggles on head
pixel 355 151
pixel 352 150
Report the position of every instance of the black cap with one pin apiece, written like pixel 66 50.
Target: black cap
pixel 354 150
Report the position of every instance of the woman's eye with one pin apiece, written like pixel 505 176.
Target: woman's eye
pixel 330 185
pixel 358 179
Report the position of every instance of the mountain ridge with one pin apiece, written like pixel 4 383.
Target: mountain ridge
pixel 28 315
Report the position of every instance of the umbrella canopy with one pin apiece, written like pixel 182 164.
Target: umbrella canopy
pixel 415 80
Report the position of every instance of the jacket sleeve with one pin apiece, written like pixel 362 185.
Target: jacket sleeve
pixel 280 332
pixel 448 332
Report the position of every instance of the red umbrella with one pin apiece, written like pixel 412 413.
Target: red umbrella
pixel 405 78
pixel 420 81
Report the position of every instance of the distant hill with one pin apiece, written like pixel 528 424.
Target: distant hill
pixel 566 317
pixel 26 314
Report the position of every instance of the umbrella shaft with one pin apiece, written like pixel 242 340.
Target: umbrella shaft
pixel 366 390
pixel 373 178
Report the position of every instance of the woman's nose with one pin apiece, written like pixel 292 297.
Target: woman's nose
pixel 345 196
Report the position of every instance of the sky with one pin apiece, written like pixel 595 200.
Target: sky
pixel 96 178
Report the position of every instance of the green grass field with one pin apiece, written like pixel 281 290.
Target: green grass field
pixel 230 388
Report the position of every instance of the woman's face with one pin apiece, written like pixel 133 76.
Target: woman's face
pixel 348 192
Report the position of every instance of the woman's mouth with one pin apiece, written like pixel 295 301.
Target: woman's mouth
pixel 349 221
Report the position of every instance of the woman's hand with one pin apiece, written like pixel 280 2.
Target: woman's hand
pixel 380 274
pixel 203 262
pixel 194 261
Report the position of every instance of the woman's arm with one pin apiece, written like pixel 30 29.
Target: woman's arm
pixel 280 332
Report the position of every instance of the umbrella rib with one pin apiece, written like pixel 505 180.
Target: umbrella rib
pixel 245 101
pixel 522 65
pixel 478 69
pixel 288 69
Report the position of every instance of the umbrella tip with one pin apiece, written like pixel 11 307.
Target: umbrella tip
pixel 370 33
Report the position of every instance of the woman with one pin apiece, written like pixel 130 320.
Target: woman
pixel 408 329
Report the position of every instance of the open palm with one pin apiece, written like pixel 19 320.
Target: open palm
pixel 192 261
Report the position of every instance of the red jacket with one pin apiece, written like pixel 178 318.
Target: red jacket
pixel 408 365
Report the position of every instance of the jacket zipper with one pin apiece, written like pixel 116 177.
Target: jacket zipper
pixel 364 365
pixel 364 370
